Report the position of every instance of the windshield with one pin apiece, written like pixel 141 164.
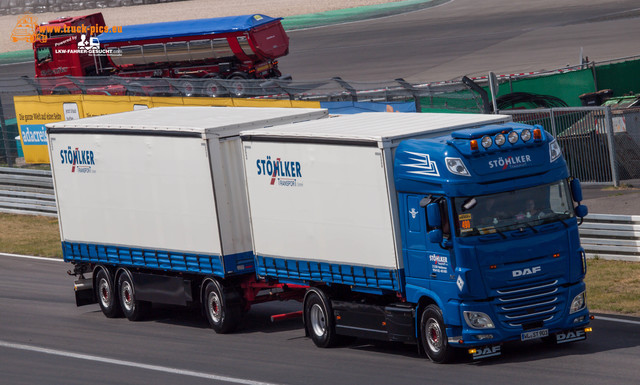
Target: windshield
pixel 513 210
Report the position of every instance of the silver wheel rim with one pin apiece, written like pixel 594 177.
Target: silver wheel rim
pixel 215 310
pixel 318 320
pixel 188 88
pixel 127 295
pixel 433 334
pixel 105 292
pixel 212 89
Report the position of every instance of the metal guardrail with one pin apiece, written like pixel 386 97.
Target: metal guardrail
pixel 25 191
pixel 614 237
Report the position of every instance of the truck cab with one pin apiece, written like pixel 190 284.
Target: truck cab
pixel 490 236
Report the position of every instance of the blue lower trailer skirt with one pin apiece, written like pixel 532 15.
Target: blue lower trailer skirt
pixel 360 277
pixel 208 264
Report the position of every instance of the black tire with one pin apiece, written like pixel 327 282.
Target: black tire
pixel 222 307
pixel 106 295
pixel 133 309
pixel 433 335
pixel 318 319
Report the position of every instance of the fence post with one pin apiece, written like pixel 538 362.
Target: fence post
pixel 5 140
pixel 552 119
pixel 612 147
pixel 414 92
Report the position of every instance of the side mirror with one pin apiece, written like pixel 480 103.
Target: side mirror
pixel 581 211
pixel 435 221
pixel 433 215
pixel 576 190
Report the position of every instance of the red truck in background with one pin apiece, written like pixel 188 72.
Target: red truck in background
pixel 191 55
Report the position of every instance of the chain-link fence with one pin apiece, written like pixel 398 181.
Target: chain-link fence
pixel 442 96
pixel 600 145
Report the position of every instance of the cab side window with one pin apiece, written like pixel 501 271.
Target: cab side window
pixel 43 54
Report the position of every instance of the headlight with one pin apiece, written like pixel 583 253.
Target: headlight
pixel 478 320
pixel 456 166
pixel 578 303
pixel 487 142
pixel 513 137
pixel 525 135
pixel 500 139
pixel 554 151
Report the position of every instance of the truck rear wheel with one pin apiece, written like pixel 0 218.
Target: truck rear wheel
pixel 238 86
pixel 133 309
pixel 433 335
pixel 318 317
pixel 221 311
pixel 106 294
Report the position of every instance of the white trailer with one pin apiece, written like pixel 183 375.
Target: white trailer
pixel 322 196
pixel 146 198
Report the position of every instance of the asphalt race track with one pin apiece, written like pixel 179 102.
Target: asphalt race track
pixel 461 37
pixel 46 339
pixel 468 37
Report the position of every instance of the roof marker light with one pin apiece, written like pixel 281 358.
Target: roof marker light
pixel 487 142
pixel 537 134
pixel 500 139
pixel 513 137
pixel 525 135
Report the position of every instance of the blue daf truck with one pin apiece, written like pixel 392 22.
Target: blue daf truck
pixel 450 231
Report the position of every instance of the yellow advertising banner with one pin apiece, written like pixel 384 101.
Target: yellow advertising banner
pixel 33 112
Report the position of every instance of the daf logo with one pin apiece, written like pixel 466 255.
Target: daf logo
pixel 527 271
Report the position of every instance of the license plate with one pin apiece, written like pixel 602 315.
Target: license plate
pixel 534 334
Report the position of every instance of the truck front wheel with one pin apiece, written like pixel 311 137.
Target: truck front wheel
pixel 106 294
pixel 222 313
pixel 133 309
pixel 318 319
pixel 434 336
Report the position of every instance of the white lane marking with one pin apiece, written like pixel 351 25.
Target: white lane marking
pixel 31 257
pixel 112 361
pixel 618 320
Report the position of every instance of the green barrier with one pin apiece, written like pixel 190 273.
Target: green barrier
pixel 622 77
pixel 16 57
pixel 566 86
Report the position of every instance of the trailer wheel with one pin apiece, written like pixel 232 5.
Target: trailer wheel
pixel 106 294
pixel 133 309
pixel 213 89
pixel 238 86
pixel 223 314
pixel 318 317
pixel 433 335
pixel 188 88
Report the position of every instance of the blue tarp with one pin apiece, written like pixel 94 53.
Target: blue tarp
pixel 186 28
pixel 356 107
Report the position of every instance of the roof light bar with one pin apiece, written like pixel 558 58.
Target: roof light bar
pixel 513 137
